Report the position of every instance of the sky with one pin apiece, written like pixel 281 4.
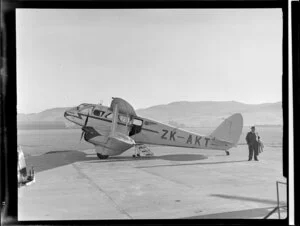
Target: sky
pixel 147 56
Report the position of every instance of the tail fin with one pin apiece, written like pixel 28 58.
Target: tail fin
pixel 230 129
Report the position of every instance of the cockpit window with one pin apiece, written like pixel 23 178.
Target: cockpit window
pixel 81 106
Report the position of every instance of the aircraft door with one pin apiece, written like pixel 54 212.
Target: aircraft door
pixel 136 126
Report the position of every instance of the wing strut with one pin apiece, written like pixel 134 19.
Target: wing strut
pixel 114 120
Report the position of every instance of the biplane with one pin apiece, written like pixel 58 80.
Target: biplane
pixel 117 128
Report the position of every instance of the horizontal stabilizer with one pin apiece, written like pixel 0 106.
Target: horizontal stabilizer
pixel 230 129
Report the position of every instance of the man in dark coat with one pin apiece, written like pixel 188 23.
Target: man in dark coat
pixel 252 144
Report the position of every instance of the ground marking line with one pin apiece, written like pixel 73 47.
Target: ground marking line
pixel 99 188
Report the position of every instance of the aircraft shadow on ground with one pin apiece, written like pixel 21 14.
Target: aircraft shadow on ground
pixel 248 199
pixel 189 164
pixel 173 157
pixel 240 214
pixel 55 159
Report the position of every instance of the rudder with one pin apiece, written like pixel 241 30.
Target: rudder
pixel 230 129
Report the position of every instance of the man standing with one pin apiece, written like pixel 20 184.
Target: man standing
pixel 252 144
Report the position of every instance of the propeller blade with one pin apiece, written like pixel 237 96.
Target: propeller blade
pixel 81 135
pixel 86 120
pixel 85 123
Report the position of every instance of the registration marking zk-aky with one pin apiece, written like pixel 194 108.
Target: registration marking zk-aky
pixel 197 140
pixel 171 137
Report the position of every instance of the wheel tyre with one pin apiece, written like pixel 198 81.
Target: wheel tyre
pixel 102 156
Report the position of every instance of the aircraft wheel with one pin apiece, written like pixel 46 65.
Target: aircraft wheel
pixel 102 156
pixel 227 152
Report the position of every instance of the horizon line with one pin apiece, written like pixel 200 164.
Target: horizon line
pixel 162 105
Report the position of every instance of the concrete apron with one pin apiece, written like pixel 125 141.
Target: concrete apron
pixel 175 183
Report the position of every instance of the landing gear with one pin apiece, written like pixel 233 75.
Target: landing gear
pixel 141 149
pixel 102 156
pixel 227 152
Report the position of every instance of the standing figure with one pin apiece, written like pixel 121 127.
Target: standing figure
pixel 260 145
pixel 252 144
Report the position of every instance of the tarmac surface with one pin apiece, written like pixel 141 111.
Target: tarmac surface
pixel 174 183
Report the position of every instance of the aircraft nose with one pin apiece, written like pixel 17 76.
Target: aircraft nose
pixel 73 116
pixel 68 113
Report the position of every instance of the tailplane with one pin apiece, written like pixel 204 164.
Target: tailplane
pixel 230 129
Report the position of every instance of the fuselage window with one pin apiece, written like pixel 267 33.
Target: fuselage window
pixel 137 122
pixel 123 118
pixel 108 115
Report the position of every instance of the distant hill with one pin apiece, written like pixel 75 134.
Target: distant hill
pixel 183 113
pixel 212 113
pixel 53 114
pixel 49 119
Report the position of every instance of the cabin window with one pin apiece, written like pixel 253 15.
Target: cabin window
pixel 137 122
pixel 109 115
pixel 97 112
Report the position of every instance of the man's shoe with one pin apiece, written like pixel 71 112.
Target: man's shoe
pixel 256 159
pixel 249 159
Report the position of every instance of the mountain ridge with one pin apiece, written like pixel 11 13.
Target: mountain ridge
pixel 184 113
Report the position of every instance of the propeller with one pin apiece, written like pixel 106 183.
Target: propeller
pixel 85 123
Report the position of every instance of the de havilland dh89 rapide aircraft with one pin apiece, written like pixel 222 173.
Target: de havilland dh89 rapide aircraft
pixel 117 128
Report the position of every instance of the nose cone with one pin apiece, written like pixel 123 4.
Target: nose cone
pixel 68 114
pixel 73 116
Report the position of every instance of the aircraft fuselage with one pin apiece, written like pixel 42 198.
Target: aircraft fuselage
pixel 141 130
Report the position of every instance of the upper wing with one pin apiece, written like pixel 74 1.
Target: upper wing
pixel 115 143
pixel 123 106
